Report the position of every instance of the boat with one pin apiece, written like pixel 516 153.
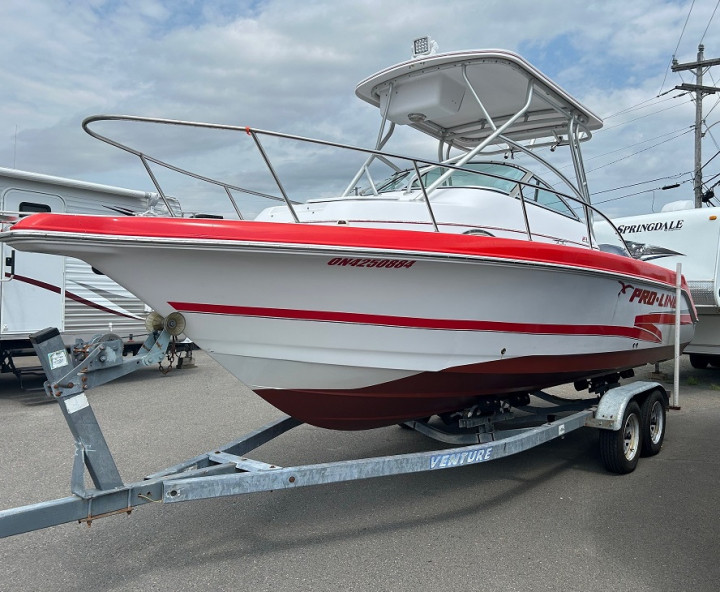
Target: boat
pixel 458 285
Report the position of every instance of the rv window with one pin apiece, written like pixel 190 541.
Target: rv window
pixel 26 206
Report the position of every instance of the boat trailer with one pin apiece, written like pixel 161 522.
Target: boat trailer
pixel 631 420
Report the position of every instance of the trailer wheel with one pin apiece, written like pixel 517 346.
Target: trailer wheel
pixel 652 422
pixel 620 450
pixel 698 361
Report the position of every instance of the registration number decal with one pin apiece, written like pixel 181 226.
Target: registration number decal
pixel 385 263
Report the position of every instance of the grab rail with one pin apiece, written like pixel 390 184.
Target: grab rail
pixel 255 133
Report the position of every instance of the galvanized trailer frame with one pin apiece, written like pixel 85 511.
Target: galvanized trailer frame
pixel 227 470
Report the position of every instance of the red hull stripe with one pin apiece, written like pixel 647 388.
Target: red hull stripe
pixel 650 321
pixel 403 242
pixel 644 332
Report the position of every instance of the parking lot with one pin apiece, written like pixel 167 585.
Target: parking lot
pixel 548 519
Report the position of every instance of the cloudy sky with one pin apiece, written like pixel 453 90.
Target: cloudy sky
pixel 292 66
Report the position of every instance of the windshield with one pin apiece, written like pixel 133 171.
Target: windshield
pixel 497 176
pixel 481 178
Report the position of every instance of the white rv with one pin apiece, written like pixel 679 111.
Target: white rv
pixel 681 233
pixel 39 291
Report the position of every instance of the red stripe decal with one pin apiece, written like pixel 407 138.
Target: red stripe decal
pixel 649 322
pixel 92 304
pixel 643 332
pixel 70 295
pixel 34 282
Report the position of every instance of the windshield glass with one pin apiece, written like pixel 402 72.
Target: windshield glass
pixel 394 183
pixel 539 192
pixel 504 178
pixel 481 178
pixel 506 184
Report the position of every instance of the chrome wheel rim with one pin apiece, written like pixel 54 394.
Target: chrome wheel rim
pixel 631 436
pixel 656 421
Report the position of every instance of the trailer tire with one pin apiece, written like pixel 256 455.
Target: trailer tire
pixel 652 423
pixel 620 450
pixel 698 361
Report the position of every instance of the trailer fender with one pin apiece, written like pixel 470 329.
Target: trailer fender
pixel 611 407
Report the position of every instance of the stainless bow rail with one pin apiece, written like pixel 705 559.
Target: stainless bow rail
pixel 418 165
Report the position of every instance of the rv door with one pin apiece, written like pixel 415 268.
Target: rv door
pixel 33 291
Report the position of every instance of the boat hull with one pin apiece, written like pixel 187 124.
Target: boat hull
pixel 433 393
pixel 360 328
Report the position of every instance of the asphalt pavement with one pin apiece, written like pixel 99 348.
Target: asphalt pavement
pixel 550 518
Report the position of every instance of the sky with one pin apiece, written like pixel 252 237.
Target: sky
pixel 293 66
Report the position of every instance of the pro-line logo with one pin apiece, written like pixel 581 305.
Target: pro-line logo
pixel 649 297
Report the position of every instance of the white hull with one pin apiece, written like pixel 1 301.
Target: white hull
pixel 335 319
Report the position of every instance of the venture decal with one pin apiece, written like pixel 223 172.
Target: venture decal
pixel 472 456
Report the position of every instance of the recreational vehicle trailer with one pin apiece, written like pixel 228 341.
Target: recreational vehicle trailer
pixel 38 291
pixel 683 234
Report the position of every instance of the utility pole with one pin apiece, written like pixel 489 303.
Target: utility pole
pixel 700 92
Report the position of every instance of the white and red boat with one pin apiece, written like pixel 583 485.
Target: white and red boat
pixel 456 282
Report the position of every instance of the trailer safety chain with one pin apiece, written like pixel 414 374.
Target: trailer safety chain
pixel 170 357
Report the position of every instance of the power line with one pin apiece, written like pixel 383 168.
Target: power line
pixel 717 101
pixel 677 46
pixel 640 183
pixel 639 151
pixel 712 16
pixel 711 178
pixel 636 193
pixel 707 131
pixel 715 105
pixel 641 104
pixel 707 181
pixel 638 143
pixel 682 131
pixel 709 161
pixel 642 116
